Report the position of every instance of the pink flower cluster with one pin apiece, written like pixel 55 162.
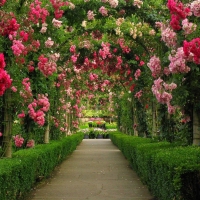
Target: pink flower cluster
pixel 103 85
pixel 47 67
pixel 178 12
pixel 178 62
pixel 75 124
pixel 137 74
pixel 49 43
pixel 161 95
pixel 27 93
pixel 2 61
pixel 105 51
pixel 37 109
pixel 57 4
pixel 30 66
pixel 18 140
pixel 8 24
pixel 90 15
pixel 113 3
pixel 188 27
pixel 2 2
pixel 72 49
pixel 119 62
pixel 18 48
pixel 170 86
pixel 138 3
pixel 124 48
pixel 158 90
pixel 5 80
pixel 37 13
pixel 56 23
pixel 30 143
pixel 155 66
pixel 21 115
pixel 185 119
pixel 138 94
pixel 23 36
pixel 168 36
pixel 192 50
pixel 195 8
pixel 103 11
pixel 93 77
pixel 44 28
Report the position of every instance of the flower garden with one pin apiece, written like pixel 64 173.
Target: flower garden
pixel 71 67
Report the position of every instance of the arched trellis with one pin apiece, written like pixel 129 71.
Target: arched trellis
pixel 82 40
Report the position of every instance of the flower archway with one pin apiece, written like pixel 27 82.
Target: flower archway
pixel 55 53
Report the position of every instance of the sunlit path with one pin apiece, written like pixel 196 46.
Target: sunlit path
pixel 97 170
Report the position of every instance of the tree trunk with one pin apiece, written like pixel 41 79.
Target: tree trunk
pixel 68 120
pixel 46 135
pixel 196 129
pixel 135 126
pixel 154 119
pixel 8 121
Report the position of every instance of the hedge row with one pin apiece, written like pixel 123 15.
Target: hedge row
pixel 19 174
pixel 171 172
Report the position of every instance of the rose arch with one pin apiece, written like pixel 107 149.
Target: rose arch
pixel 57 56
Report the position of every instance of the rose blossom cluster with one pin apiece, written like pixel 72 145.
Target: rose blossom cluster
pixel 37 13
pixel 138 3
pixel 49 43
pixel 21 115
pixel 90 15
pixel 113 3
pixel 77 110
pixel 158 90
pixel 27 93
pixel 93 77
pixel 188 27
pixel 137 74
pixel 5 80
pixel 138 94
pixel 56 23
pixel 103 11
pixel 178 62
pixel 18 48
pixel 46 66
pixel 105 51
pixel 75 124
pixel 192 50
pixel 124 48
pixel 2 2
pixel 155 66
pixel 161 95
pixel 30 143
pixel 8 24
pixel 57 4
pixel 178 12
pixel 168 36
pixel 37 109
pixel 18 140
pixel 103 85
pixel 195 8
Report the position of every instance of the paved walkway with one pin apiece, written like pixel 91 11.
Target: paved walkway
pixel 96 170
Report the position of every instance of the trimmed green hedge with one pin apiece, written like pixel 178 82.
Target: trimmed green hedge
pixel 171 172
pixel 19 174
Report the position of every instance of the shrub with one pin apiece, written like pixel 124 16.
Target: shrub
pixel 170 171
pixel 19 174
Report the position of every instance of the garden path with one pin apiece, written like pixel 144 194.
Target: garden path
pixel 96 170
